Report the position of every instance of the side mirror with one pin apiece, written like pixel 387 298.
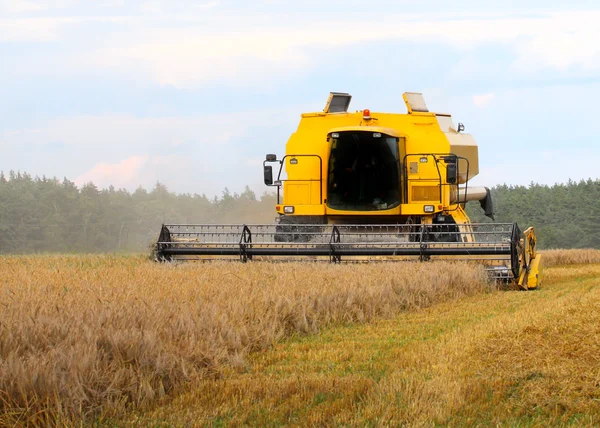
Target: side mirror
pixel 271 158
pixel 268 175
pixel 451 173
pixel 461 127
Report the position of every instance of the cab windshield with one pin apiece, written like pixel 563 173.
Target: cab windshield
pixel 363 171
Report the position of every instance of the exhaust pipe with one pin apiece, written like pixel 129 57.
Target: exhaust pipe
pixel 477 193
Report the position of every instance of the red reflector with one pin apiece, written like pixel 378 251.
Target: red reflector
pixel 366 114
pixel 439 207
pixel 277 207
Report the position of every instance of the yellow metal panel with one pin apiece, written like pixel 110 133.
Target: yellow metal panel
pixel 460 217
pixel 534 279
pixel 530 260
pixel 426 193
pixel 393 211
pixel 302 185
pixel 382 130
pixel 298 194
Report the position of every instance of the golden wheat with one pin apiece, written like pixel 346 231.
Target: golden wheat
pixel 570 257
pixel 84 337
pixel 493 359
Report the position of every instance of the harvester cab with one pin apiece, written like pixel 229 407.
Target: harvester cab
pixel 364 186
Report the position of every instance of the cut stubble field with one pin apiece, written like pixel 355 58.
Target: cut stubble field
pixel 99 339
pixel 500 358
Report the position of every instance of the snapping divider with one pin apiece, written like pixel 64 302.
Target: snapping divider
pixel 335 239
pixel 245 243
pixel 163 239
pixel 515 243
pixel 423 246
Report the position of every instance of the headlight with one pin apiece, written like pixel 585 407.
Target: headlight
pixel 288 210
pixel 429 208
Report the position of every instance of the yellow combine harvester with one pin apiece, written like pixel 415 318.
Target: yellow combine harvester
pixel 370 186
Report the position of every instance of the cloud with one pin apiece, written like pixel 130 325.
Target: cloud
pixel 116 129
pixel 48 29
pixel 195 56
pixel 208 4
pixel 29 30
pixel 201 153
pixel 233 56
pixel 21 6
pixel 133 171
pixel 29 7
pixel 125 173
pixel 483 99
pixel 573 44
pixel 209 44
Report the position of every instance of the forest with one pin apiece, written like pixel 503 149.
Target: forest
pixel 564 215
pixel 41 215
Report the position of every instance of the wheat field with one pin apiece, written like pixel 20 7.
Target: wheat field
pixel 570 257
pixel 503 358
pixel 86 338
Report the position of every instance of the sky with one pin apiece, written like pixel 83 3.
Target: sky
pixel 194 93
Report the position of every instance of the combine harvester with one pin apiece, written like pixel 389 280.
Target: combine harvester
pixel 370 186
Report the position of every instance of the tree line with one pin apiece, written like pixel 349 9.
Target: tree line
pixel 564 215
pixel 50 215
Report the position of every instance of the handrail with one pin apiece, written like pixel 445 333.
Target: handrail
pixel 281 164
pixel 436 157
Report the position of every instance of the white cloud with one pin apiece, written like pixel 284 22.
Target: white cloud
pixel 46 29
pixel 29 30
pixel 23 7
pixel 208 4
pixel 483 99
pixel 202 153
pixel 20 6
pixel 574 43
pixel 133 171
pixel 190 57
pixel 122 174
pixel 126 129
pixel 213 45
